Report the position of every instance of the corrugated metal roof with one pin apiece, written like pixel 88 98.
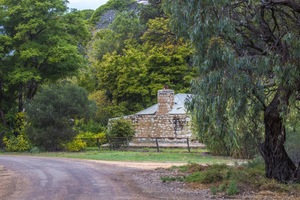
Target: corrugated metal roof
pixel 179 102
pixel 148 111
pixel 178 107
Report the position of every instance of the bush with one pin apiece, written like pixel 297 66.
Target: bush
pixel 15 140
pixel 232 188
pixel 212 174
pixel 35 150
pixel 16 143
pixel 120 132
pixel 90 126
pixel 91 138
pixel 75 145
pixel 52 113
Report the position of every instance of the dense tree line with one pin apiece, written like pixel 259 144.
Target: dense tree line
pixel 136 55
pixel 122 67
pixel 39 44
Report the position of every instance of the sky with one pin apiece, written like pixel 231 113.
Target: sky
pixel 86 4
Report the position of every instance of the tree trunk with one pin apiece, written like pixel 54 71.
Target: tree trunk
pixel 20 98
pixel 279 166
pixel 2 116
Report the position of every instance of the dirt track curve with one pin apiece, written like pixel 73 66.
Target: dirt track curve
pixel 35 178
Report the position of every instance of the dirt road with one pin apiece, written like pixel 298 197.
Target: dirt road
pixel 69 179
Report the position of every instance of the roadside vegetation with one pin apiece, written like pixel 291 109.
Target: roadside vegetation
pixel 229 180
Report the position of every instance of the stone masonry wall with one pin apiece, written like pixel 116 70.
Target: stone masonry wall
pixel 161 125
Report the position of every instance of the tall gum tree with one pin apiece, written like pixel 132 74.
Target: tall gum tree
pixel 248 57
pixel 43 42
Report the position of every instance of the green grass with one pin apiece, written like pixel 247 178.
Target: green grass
pixel 140 155
pixel 232 180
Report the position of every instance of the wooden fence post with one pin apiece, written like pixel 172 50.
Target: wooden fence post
pixel 98 144
pixel 188 144
pixel 157 147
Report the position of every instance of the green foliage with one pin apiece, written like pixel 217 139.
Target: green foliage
pixel 15 139
pixel 231 180
pixel 75 145
pixel 92 139
pixel 16 143
pixel 232 188
pixel 35 150
pixel 52 114
pixel 240 73
pixel 120 132
pixel 127 26
pixel 213 174
pixel 87 14
pixel 170 179
pixel 40 42
pixel 118 5
pixel 151 11
pixel 128 72
pixel 232 139
pixel 90 126
pixel 293 134
pixel 214 190
pixel 120 128
pixel 101 138
pixel 106 108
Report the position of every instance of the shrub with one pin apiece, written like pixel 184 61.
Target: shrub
pixel 209 174
pixel 16 143
pixel 102 138
pixel 52 113
pixel 91 138
pixel 75 145
pixel 120 131
pixel 90 126
pixel 214 190
pixel 170 179
pixel 35 150
pixel 232 188
pixel 15 139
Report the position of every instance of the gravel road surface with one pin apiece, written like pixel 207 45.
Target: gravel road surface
pixel 34 178
pixel 39 178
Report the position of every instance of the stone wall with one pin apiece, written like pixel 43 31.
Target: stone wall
pixel 161 125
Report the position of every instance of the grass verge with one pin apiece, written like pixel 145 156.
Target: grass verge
pixel 225 180
pixel 140 155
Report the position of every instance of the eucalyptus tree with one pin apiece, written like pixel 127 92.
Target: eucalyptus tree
pixel 248 58
pixel 43 42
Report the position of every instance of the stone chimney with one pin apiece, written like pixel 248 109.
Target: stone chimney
pixel 165 100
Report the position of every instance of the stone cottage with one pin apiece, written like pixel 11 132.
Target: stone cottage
pixel 167 118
